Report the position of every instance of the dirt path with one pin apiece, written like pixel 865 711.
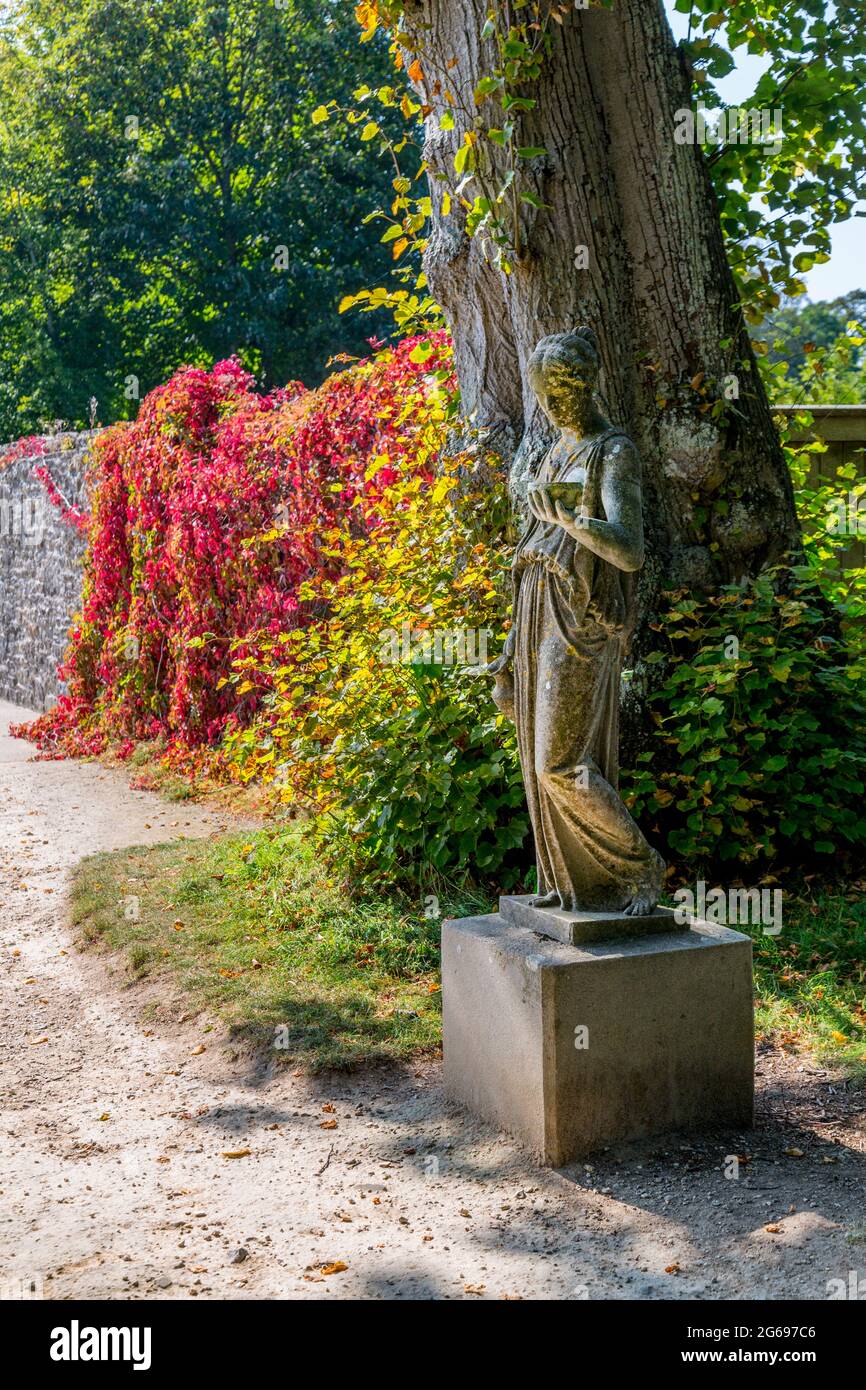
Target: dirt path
pixel 113 1182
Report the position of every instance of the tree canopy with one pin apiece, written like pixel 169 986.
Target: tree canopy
pixel 166 199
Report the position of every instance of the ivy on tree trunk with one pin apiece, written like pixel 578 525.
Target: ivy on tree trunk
pixel 620 230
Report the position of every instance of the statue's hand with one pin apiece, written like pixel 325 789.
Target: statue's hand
pixel 571 521
pixel 503 693
pixel 503 684
pixel 542 505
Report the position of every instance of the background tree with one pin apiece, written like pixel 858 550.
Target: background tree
pixel 795 329
pixel 166 199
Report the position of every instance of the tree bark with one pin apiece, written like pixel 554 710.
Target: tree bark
pixel 657 289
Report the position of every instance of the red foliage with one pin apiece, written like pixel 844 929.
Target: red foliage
pixel 72 515
pixel 35 446
pixel 208 513
pixel 31 446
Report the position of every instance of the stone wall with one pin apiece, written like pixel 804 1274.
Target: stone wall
pixel 40 569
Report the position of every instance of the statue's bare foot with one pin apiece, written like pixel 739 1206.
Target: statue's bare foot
pixel 551 899
pixel 647 896
pixel 642 905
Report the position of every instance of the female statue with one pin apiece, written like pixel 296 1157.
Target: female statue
pixel 574 611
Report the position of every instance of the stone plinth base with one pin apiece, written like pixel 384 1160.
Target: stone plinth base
pixel 570 1048
pixel 575 928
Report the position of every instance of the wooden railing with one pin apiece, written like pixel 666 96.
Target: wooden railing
pixel 843 429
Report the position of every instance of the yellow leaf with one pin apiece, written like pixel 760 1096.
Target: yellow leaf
pixel 442 489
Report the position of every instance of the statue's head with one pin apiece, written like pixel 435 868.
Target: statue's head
pixel 563 373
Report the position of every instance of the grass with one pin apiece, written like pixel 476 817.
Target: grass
pixel 147 769
pixel 253 929
pixel 811 978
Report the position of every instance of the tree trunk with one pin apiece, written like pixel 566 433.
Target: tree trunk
pixel 657 288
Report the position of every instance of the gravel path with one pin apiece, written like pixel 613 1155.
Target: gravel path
pixel 115 1184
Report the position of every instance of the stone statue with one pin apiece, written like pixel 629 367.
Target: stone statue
pixel 574 610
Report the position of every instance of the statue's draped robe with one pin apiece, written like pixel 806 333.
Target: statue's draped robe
pixel 573 616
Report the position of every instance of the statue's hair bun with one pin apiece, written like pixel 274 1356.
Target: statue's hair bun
pixel 588 335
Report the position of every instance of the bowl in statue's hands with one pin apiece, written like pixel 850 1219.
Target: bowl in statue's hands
pixel 569 494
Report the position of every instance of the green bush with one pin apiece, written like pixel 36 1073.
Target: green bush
pixel 758 753
pixel 433 783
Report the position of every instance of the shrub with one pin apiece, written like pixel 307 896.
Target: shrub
pixel 208 513
pixel 375 722
pixel 759 748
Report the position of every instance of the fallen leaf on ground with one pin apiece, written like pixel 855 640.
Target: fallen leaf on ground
pixel 773 1229
pixel 336 1268
pixel 327 1124
pixel 236 1153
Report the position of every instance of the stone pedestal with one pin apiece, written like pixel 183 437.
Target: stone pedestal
pixel 643 1026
